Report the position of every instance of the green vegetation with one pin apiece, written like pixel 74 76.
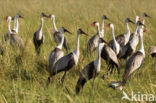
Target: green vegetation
pixel 23 78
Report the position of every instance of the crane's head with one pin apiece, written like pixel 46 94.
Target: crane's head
pixel 145 15
pixel 17 16
pixel 62 29
pixel 20 16
pixel 44 15
pixel 8 18
pixel 95 23
pixel 110 25
pixel 80 31
pixel 139 23
pixel 129 20
pixel 137 18
pixel 51 16
pixel 105 17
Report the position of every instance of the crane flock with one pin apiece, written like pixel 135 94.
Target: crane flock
pixel 120 47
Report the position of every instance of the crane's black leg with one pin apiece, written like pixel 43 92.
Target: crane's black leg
pixel 62 80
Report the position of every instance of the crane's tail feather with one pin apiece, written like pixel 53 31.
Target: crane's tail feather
pixel 80 83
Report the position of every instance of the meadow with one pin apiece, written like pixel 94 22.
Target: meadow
pixel 23 78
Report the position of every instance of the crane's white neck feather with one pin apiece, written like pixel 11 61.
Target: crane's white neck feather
pixel 62 40
pixel 128 30
pixel 39 36
pixel 98 29
pixel 136 29
pixel 9 22
pixel 127 34
pixel 141 49
pixel 102 28
pixel 54 25
pixel 15 24
pixel 97 62
pixel 76 51
pixel 112 27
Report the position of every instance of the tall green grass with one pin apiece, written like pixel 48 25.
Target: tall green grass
pixel 23 78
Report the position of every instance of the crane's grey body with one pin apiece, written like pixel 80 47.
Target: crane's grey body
pixel 110 58
pixel 38 43
pixel 87 73
pixel 133 63
pixel 64 64
pixel 92 43
pixel 7 36
pixel 16 41
pixel 55 55
pixel 91 70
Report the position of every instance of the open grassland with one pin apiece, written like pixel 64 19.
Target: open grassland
pixel 23 78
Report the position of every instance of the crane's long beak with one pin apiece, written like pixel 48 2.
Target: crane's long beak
pixel 82 32
pixel 21 16
pixel 92 24
pixel 102 40
pixel 105 41
pixel 148 16
pixel 65 30
pixel 49 16
pixel 108 19
pixel 44 15
pixel 131 21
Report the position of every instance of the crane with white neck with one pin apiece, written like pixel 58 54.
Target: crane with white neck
pixel 115 46
pixel 130 47
pixel 57 35
pixel 92 69
pixel 93 41
pixel 15 40
pixel 56 53
pixel 16 23
pixel 67 62
pixel 104 17
pixel 38 37
pixel 16 26
pixel 133 63
pixel 123 39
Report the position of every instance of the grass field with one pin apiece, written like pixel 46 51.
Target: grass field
pixel 23 78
